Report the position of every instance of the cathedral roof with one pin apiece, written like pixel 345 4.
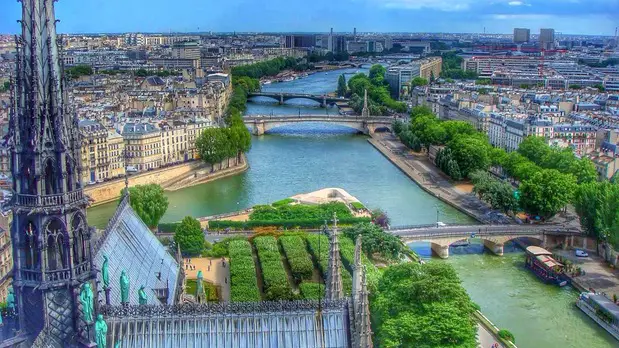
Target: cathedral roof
pixel 132 247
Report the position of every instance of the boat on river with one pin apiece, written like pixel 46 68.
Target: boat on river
pixel 602 310
pixel 540 262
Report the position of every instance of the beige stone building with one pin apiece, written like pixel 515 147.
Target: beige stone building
pixel 6 259
pixel 173 142
pixel 143 146
pixel 4 161
pixel 95 160
pixel 116 153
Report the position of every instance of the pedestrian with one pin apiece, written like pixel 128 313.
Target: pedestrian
pixel 209 268
pixel 210 262
pixel 226 280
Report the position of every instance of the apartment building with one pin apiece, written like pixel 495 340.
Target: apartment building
pixel 116 154
pixel 5 156
pixel 6 259
pixel 173 142
pixel 143 146
pixel 400 76
pixel 95 160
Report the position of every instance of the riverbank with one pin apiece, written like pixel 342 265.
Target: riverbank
pixel 428 177
pixel 171 178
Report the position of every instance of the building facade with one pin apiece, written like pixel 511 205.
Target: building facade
pixel 6 256
pixel 522 35
pixel 143 146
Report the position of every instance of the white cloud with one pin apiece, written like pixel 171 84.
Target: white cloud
pixel 515 3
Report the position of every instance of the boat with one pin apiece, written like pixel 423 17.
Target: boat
pixel 540 262
pixel 267 82
pixel 602 310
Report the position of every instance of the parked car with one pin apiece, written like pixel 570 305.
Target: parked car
pixel 581 253
pixel 131 169
pixel 441 224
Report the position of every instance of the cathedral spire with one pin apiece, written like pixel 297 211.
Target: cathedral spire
pixel 333 286
pixel 366 111
pixel 362 316
pixel 357 269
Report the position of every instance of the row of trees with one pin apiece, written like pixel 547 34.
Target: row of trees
pixel 218 144
pixel 596 203
pixel 547 175
pixel 499 194
pixel 315 57
pixel 452 67
pixel 379 98
pixel 77 71
pixel 267 68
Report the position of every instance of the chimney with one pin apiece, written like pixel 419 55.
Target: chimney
pixel 331 31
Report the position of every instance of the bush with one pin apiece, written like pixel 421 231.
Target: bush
pixel 507 335
pixel 274 277
pixel 347 251
pixel 357 205
pixel 282 202
pixel 243 282
pixel 288 224
pixel 300 212
pixel 312 291
pixel 299 260
pixel 189 236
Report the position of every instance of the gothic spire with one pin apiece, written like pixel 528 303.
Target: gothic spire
pixel 366 111
pixel 362 316
pixel 357 269
pixel 333 286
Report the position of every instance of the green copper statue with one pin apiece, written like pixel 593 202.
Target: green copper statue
pixel 200 296
pixel 10 300
pixel 87 301
pixel 105 273
pixel 124 287
pixel 142 299
pixel 101 332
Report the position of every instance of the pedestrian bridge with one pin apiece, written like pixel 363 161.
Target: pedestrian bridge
pixel 259 125
pixel 324 100
pixel 493 236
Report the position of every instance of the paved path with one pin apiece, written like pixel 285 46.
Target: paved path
pixel 598 275
pixel 485 338
pixel 213 271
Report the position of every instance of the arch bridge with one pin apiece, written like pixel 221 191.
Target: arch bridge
pixel 367 125
pixel 493 236
pixel 324 100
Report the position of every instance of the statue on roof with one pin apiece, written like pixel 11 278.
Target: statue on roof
pixel 105 273
pixel 10 301
pixel 101 332
pixel 124 287
pixel 87 301
pixel 200 296
pixel 142 299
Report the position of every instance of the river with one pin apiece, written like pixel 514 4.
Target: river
pixel 305 158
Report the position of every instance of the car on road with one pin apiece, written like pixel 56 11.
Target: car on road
pixel 441 224
pixel 581 253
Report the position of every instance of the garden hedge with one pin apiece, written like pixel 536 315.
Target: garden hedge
pixel 274 277
pixel 290 224
pixel 298 258
pixel 311 291
pixel 167 227
pixel 243 282
pixel 300 212
pixel 322 259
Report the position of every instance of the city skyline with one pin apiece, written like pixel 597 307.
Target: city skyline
pixel 593 17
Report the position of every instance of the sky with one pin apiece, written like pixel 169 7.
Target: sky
pixel 590 17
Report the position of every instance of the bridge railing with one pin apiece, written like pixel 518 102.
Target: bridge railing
pixel 483 233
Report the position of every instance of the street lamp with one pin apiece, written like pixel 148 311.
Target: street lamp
pixel 437 213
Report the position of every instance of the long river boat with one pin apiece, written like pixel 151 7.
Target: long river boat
pixel 540 262
pixel 602 310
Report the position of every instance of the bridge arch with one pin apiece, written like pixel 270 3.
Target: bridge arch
pixel 270 127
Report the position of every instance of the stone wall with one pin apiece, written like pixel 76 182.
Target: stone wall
pixel 110 191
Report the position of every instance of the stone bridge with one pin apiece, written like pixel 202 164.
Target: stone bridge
pixel 493 236
pixel 259 125
pixel 324 100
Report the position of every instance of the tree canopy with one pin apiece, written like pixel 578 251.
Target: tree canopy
pixel 149 202
pixel 341 86
pixel 596 204
pixel 375 240
pixel 425 305
pixel 546 192
pixel 189 237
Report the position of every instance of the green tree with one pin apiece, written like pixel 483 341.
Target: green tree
pixel 421 110
pixel 149 202
pixel 77 71
pixel 596 204
pixel 189 236
pixel 534 148
pixel 471 153
pixel 5 86
pixel 375 240
pixel 213 146
pixel 418 81
pixel 141 73
pixel 377 70
pixel 341 86
pixel 422 306
pixel 547 192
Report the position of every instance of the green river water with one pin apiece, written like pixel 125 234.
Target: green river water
pixel 305 158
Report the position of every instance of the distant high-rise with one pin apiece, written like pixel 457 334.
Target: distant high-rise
pixel 303 41
pixel 522 35
pixel 547 38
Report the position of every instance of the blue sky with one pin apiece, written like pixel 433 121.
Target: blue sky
pixel 498 16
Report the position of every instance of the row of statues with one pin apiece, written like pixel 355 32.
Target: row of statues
pixel 86 299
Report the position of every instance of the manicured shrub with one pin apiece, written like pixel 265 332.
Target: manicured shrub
pixel 299 260
pixel 322 259
pixel 243 282
pixel 282 202
pixel 357 205
pixel 300 212
pixel 507 335
pixel 312 291
pixel 288 224
pixel 347 251
pixel 274 277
